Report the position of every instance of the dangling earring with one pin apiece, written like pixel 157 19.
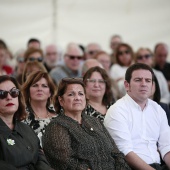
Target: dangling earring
pixel 61 110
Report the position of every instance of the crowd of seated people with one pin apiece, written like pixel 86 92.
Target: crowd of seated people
pixel 79 107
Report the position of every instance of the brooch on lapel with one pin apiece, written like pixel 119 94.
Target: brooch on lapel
pixel 10 142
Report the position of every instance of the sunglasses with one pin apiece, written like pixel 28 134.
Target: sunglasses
pixel 13 92
pixel 123 52
pixel 72 57
pixel 20 60
pixel 92 52
pixel 93 81
pixel 40 59
pixel 141 57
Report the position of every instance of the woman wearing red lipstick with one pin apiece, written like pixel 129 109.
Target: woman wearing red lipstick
pixel 38 91
pixel 19 146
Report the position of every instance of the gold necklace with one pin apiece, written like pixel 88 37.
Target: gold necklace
pixel 47 117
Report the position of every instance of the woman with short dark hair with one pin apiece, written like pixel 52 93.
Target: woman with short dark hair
pixel 74 140
pixel 19 146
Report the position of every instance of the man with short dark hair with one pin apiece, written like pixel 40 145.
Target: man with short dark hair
pixel 145 56
pixel 137 124
pixel 33 43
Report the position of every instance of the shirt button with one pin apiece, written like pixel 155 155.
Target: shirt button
pixel 28 147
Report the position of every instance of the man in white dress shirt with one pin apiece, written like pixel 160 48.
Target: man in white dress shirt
pixel 137 124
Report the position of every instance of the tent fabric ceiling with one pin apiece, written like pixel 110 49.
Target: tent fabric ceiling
pixel 140 23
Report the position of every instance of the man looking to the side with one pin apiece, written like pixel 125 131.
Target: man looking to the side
pixel 138 125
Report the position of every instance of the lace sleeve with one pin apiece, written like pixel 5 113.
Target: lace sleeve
pixel 58 150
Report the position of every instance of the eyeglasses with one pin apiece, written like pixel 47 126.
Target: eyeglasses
pixel 20 60
pixel 40 59
pixel 92 52
pixel 13 92
pixel 146 56
pixel 100 81
pixel 123 52
pixel 72 57
pixel 73 79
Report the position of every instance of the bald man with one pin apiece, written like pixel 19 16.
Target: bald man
pixel 161 53
pixel 89 63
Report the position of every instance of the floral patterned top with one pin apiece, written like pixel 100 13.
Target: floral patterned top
pixel 38 124
pixel 89 110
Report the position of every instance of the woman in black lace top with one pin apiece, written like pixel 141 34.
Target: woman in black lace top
pixel 98 92
pixel 76 141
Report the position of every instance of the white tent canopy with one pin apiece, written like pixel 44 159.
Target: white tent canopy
pixel 140 23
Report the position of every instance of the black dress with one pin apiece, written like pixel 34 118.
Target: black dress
pixel 19 148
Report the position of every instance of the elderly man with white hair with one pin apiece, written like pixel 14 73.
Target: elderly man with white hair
pixel 92 49
pixel 72 59
pixel 51 57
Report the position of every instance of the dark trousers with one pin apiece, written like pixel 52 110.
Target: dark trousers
pixel 159 167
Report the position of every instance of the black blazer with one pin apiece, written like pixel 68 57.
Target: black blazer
pixel 24 152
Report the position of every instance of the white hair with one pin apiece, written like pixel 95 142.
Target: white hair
pixel 75 46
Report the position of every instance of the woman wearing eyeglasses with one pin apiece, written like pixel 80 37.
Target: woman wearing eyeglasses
pixel 145 56
pixel 19 146
pixel 98 92
pixel 124 57
pixel 74 140
pixel 39 91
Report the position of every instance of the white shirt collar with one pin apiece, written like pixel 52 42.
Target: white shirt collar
pixel 133 103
